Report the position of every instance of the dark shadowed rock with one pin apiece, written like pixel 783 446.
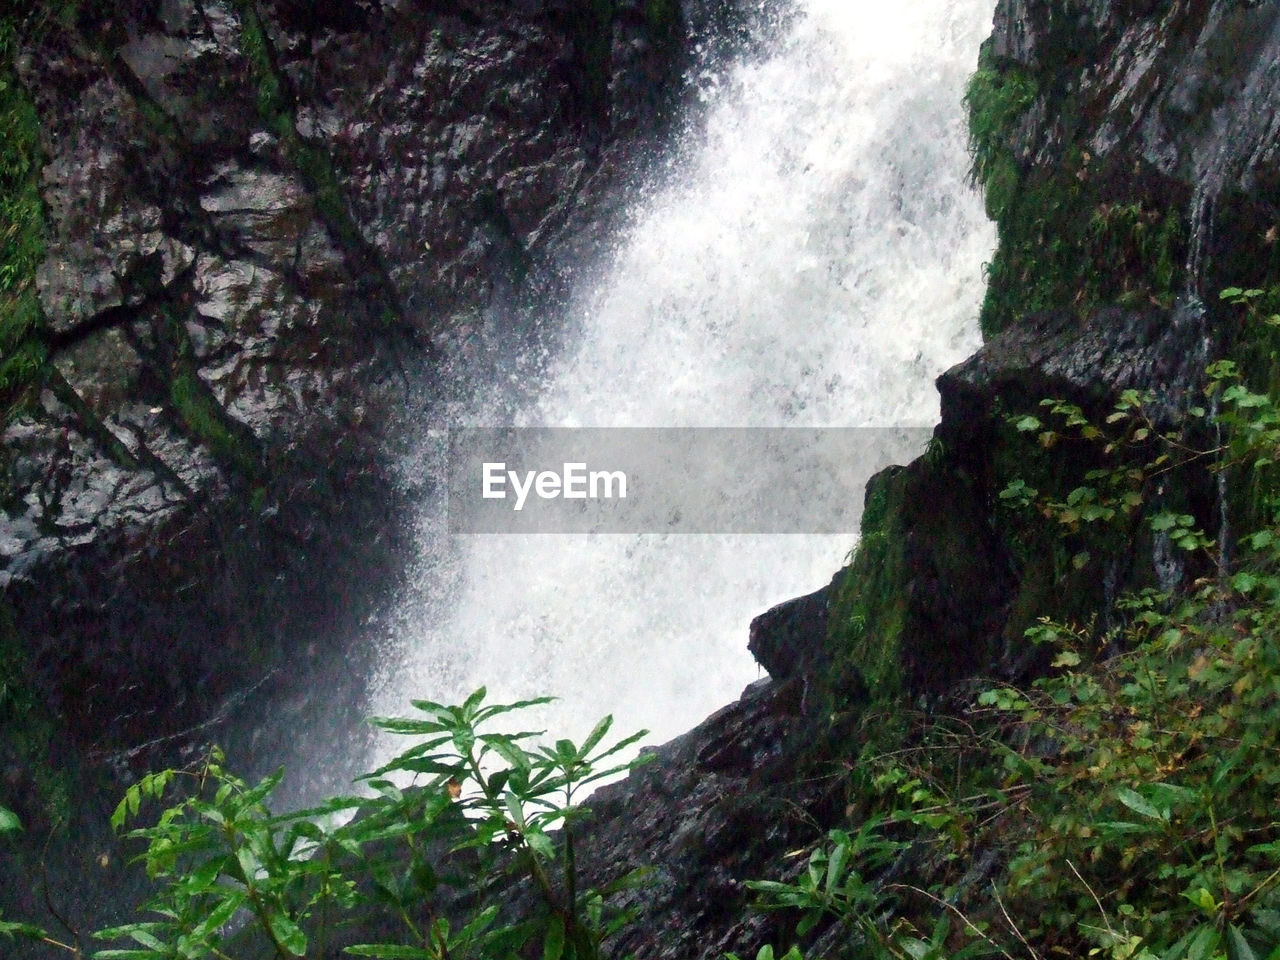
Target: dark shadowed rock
pixel 790 639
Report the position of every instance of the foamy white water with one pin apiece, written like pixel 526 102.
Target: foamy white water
pixel 812 258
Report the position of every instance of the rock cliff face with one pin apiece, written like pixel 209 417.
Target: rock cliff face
pixel 263 225
pixel 1132 170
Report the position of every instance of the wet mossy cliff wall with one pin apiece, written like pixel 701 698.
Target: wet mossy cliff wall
pixel 1130 156
pixel 238 236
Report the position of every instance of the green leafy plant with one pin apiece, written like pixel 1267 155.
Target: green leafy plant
pixel 832 886
pixel 219 851
pixel 767 953
pixel 9 823
pixel 1122 805
pixel 464 811
pixel 510 796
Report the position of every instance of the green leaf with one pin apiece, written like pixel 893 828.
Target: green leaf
pixel 596 735
pixel 133 799
pixel 1018 491
pixel 478 924
pixel 496 709
pixel 1027 424
pixel 405 725
pixel 9 821
pixel 553 943
pixel 118 816
pixel 540 844
pixel 288 933
pixel 1140 805
pixel 511 752
pixel 28 930
pixel 431 765
pixel 391 951
pixel 147 939
pixel 835 866
pixel 248 863
pixel 1204 942
pixel 497 782
pixel 472 702
pixel 515 809
pixel 220 915
pixel 1237 946
pixel 1245 582
pixel 1203 899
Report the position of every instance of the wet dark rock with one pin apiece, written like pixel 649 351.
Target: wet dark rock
pixel 789 639
pixel 714 808
pixel 1088 361
pixel 1185 90
pixel 200 305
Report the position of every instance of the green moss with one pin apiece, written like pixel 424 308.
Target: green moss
pixel 197 412
pixel 26 728
pixel 663 19
pixel 272 102
pixel 211 425
pixel 22 350
pixel 22 247
pixel 996 100
pixel 1065 243
pixel 229 440
pixel 869 612
pixel 1071 236
pixel 316 170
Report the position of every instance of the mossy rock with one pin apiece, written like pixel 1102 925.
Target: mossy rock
pixel 917 609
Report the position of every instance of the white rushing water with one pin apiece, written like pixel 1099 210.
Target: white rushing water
pixel 814 259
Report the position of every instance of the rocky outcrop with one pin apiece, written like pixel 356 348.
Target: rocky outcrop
pixel 1131 168
pixel 1129 154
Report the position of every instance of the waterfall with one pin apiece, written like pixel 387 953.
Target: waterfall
pixel 810 256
